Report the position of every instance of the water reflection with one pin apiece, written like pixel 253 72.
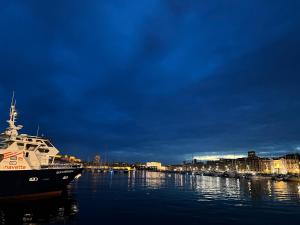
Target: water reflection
pixel 55 210
pixel 214 188
pixel 147 179
pixel 207 188
pixel 115 198
pixel 154 180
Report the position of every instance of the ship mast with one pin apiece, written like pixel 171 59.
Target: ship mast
pixel 13 129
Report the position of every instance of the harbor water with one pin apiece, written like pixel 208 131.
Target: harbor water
pixel 160 198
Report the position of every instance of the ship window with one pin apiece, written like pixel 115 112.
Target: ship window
pixel 30 147
pixel 43 150
pixel 48 144
pixel 20 146
pixel 50 160
pixel 1 157
pixel 13 158
pixel 6 144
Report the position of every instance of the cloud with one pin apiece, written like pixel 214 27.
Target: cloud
pixel 151 79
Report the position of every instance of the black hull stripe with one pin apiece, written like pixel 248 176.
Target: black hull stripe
pixel 28 182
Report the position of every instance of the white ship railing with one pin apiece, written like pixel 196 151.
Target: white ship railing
pixel 62 166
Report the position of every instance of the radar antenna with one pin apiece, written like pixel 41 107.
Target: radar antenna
pixel 13 129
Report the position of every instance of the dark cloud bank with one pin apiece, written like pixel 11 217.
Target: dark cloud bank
pixel 154 80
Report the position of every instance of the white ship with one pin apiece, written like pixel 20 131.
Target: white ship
pixel 28 165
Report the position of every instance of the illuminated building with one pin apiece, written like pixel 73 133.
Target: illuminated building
pixel 288 164
pixel 279 166
pixel 155 166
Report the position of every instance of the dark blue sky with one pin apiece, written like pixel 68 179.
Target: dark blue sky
pixel 154 80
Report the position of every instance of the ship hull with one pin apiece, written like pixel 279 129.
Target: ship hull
pixel 35 183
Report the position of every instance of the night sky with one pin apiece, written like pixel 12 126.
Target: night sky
pixel 151 79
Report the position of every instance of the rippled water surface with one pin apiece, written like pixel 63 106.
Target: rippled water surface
pixel 159 198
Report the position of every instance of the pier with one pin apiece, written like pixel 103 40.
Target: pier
pixel 109 168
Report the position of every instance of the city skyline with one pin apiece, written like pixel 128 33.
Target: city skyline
pixel 152 80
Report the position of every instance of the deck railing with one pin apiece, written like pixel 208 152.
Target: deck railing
pixel 62 166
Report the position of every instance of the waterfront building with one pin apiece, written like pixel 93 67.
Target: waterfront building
pixel 288 164
pixel 175 168
pixel 97 160
pixel 67 158
pixel 252 154
pixel 279 166
pixel 266 165
pixel 293 163
pixel 155 166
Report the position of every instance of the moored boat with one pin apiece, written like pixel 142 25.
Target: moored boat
pixel 278 177
pixel 230 174
pixel 28 165
pixel 292 177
